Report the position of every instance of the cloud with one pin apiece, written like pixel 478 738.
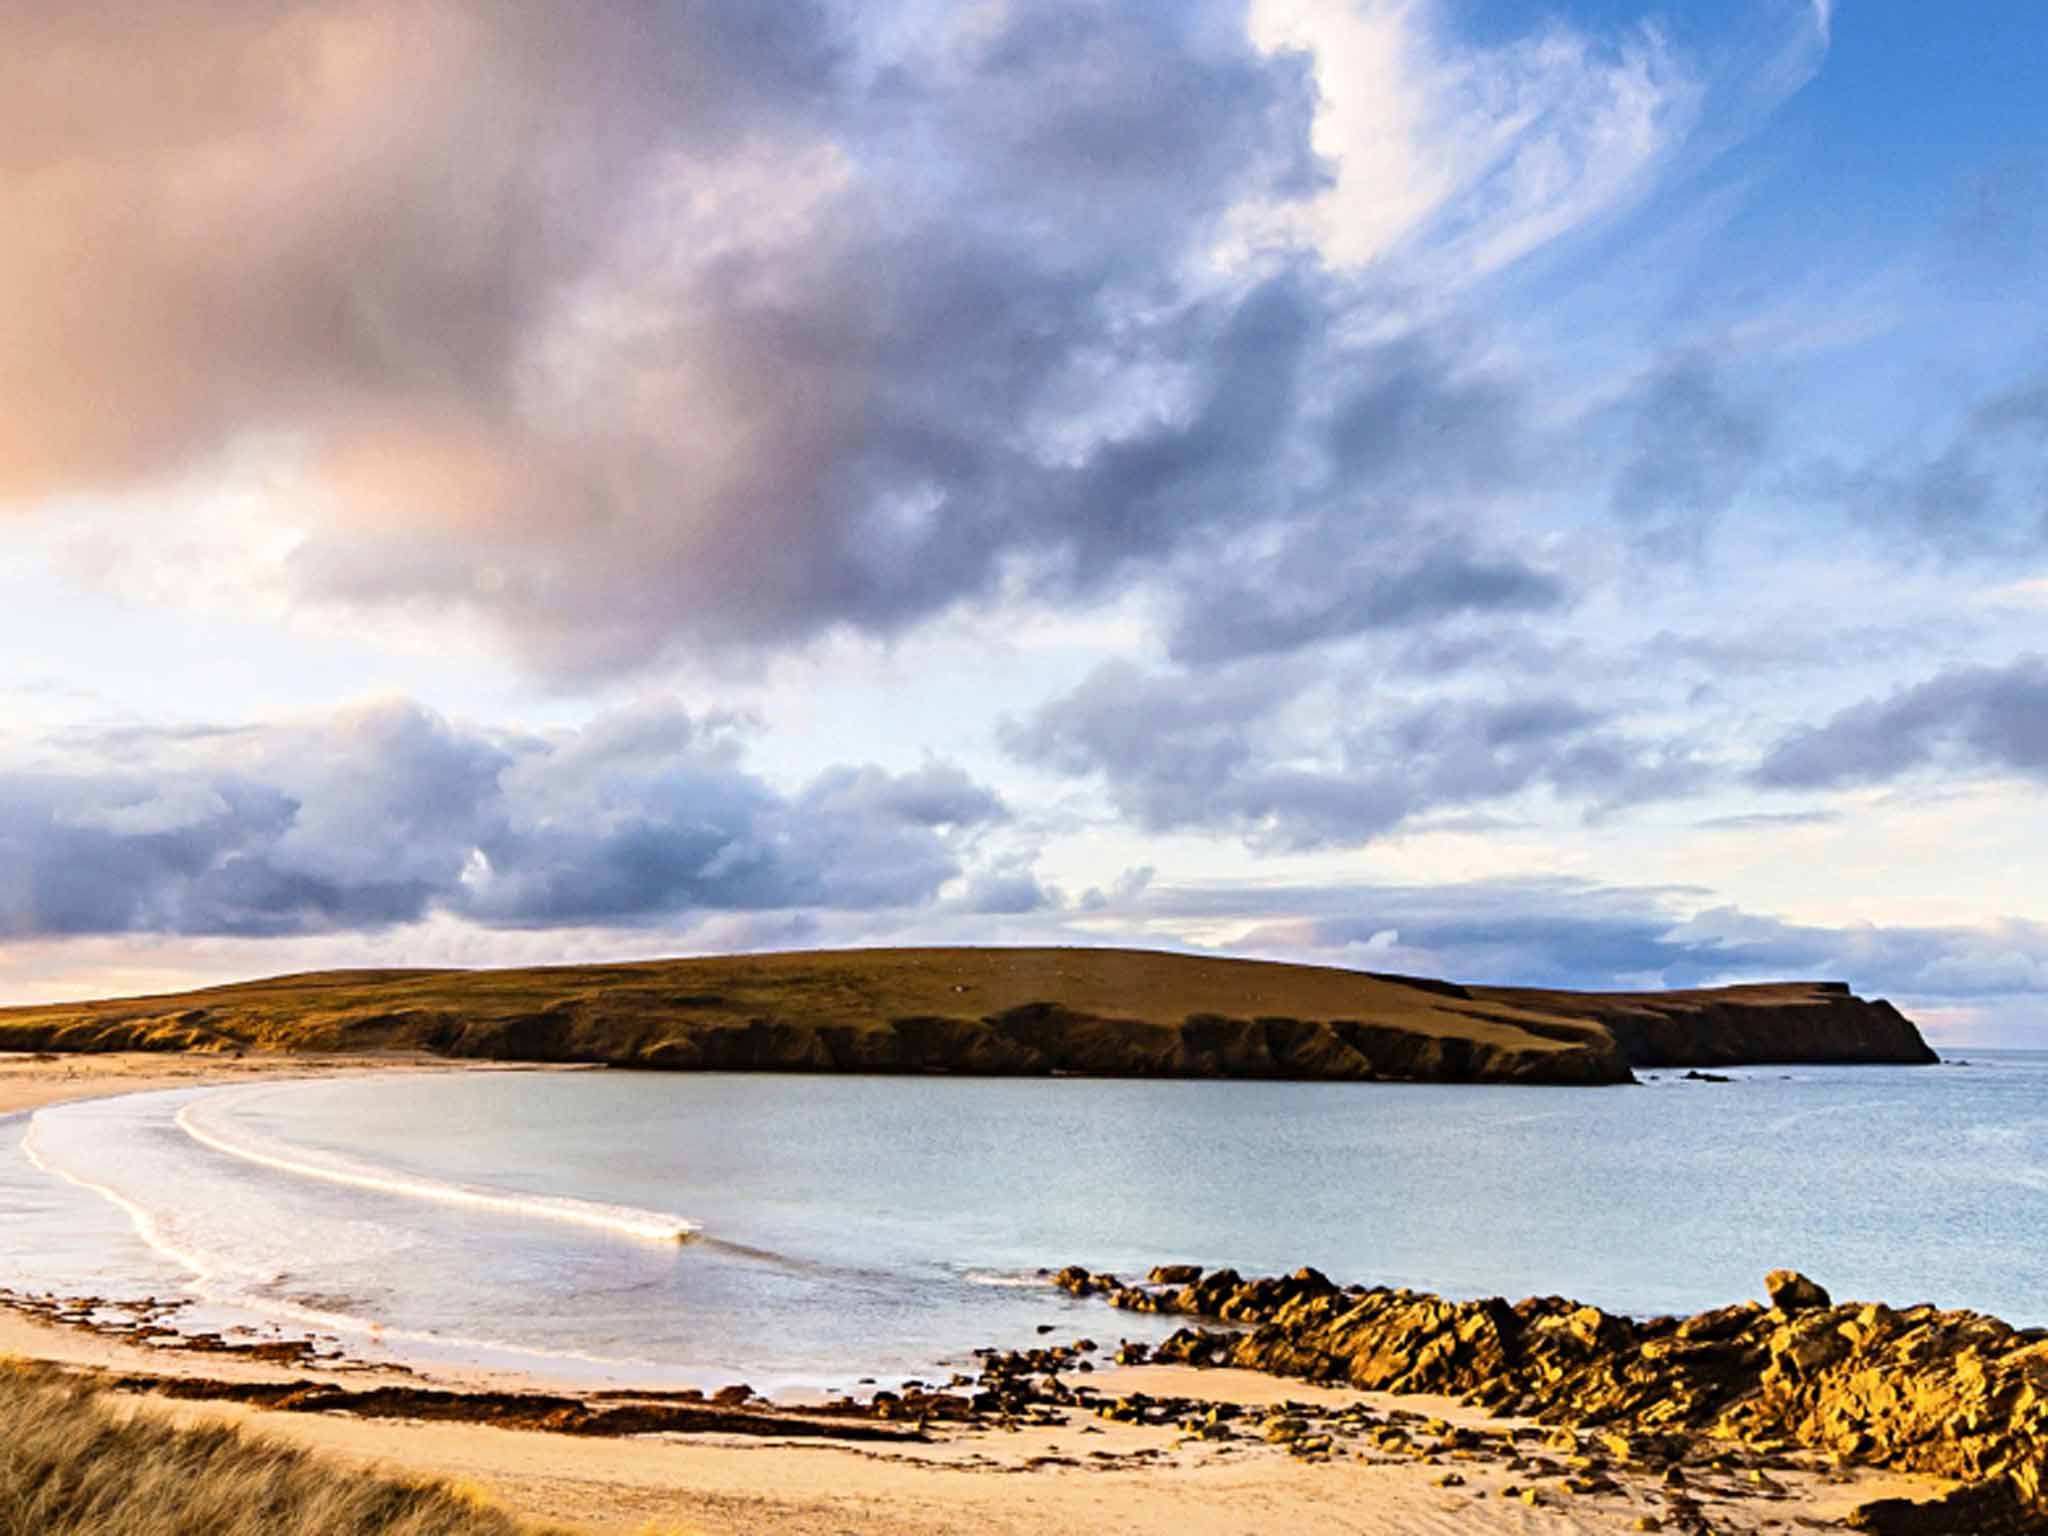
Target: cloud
pixel 1007 890
pixel 1490 153
pixel 260 217
pixel 730 325
pixel 1289 758
pixel 1979 494
pixel 1767 821
pixel 1993 718
pixel 389 814
pixel 1547 931
pixel 1297 599
pixel 1693 443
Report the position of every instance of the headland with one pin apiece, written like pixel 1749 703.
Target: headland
pixel 989 1011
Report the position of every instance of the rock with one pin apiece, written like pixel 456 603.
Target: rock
pixel 733 1396
pixel 1175 1274
pixel 1955 1395
pixel 1986 1510
pixel 1791 1291
pixel 1697 1076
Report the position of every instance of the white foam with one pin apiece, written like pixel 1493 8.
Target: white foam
pixel 622 1220
pixel 220 1284
pixel 146 1224
pixel 1008 1280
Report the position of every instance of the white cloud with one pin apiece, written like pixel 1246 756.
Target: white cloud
pixel 2019 594
pixel 1464 161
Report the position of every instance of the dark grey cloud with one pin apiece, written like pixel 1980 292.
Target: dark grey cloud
pixel 1982 493
pixel 663 324
pixel 1578 934
pixel 1764 821
pixel 1008 890
pixel 936 795
pixel 1326 583
pixel 385 814
pixel 679 326
pixel 1993 718
pixel 1287 758
pixel 1401 441
pixel 1692 443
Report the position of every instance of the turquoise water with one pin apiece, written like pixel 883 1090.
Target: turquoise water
pixel 840 1227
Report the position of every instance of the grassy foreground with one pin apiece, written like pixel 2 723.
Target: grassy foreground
pixel 1115 1012
pixel 72 1465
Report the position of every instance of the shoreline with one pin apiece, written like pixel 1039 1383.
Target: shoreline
pixel 1409 1464
pixel 799 1467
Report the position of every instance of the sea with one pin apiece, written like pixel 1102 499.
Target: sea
pixel 812 1232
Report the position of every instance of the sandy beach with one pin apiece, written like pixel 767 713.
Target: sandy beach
pixel 30 1081
pixel 1085 1472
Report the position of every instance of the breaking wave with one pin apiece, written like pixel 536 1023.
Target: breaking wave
pixel 621 1220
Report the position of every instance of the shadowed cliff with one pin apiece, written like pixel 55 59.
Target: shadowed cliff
pixel 997 1012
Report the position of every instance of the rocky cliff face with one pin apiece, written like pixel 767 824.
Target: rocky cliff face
pixel 1115 1013
pixel 1783 1022
pixel 1952 1394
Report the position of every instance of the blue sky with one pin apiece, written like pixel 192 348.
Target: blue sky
pixel 1529 494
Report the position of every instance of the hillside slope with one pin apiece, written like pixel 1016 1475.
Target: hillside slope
pixel 1106 1012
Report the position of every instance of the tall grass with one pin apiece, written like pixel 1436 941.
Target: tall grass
pixel 71 1467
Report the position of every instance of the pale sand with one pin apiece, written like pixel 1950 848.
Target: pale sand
pixel 963 1482
pixel 29 1082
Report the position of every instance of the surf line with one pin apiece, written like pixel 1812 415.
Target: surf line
pixel 207 1283
pixel 648 1226
pixel 145 1224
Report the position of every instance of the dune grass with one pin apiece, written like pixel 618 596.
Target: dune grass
pixel 73 1464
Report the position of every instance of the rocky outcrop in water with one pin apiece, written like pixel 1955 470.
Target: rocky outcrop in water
pixel 1952 1394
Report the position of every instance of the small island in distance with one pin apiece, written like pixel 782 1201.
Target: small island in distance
pixel 999 1012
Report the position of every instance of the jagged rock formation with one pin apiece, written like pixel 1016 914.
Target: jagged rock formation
pixel 1101 1012
pixel 1952 1394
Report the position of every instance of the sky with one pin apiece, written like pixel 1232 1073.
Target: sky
pixel 1549 494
